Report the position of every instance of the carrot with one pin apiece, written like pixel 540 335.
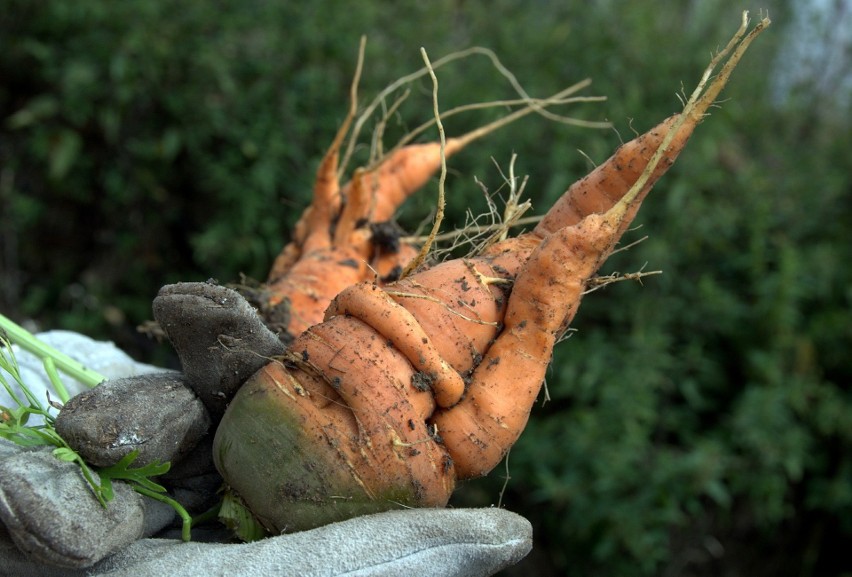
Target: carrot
pixel 335 243
pixel 577 240
pixel 390 256
pixel 334 471
pixel 405 388
pixel 316 266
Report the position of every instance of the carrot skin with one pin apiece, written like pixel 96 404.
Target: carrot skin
pixel 607 184
pixel 486 423
pixel 339 417
pixel 374 307
pixel 333 233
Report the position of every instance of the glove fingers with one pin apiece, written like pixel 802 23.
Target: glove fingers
pixel 51 514
pixel 422 542
pixel 219 337
pixel 156 415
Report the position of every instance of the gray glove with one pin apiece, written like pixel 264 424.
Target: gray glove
pixel 56 527
pixel 428 542
pixel 49 512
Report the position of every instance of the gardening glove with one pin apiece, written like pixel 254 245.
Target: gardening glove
pixel 61 539
pixel 422 542
pixel 71 531
pixel 50 513
pixel 156 415
pixel 46 504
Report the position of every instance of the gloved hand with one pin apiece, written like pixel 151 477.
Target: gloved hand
pixel 424 542
pixel 52 516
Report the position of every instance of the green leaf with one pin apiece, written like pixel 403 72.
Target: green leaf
pixel 36 110
pixel 237 517
pixel 139 479
pixel 106 488
pixel 66 147
pixel 13 424
pixel 139 475
pixel 148 484
pixel 65 454
pixel 22 416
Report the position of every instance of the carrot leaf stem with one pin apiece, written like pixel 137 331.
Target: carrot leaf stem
pixel 27 341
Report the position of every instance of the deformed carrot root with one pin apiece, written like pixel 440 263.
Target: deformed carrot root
pixel 362 413
pixel 335 242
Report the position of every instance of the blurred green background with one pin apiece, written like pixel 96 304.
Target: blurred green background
pixel 698 424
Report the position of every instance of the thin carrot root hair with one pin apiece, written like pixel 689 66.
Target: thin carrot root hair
pixel 529 105
pixel 329 195
pixel 482 230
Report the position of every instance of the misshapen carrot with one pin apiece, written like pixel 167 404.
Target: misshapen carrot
pixel 335 245
pixel 494 319
pixel 605 185
pixel 546 295
pixel 550 284
pixel 336 241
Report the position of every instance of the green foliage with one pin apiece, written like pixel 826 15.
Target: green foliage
pixel 236 516
pixel 148 142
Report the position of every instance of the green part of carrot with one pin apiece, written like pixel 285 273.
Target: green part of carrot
pixel 55 380
pixel 27 341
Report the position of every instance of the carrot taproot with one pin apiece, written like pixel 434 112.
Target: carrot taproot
pixel 577 238
pixel 334 244
pixel 343 457
pixel 365 402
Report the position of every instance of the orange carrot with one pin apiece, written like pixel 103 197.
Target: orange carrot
pixel 335 238
pixel 578 237
pixel 403 389
pixel 337 241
